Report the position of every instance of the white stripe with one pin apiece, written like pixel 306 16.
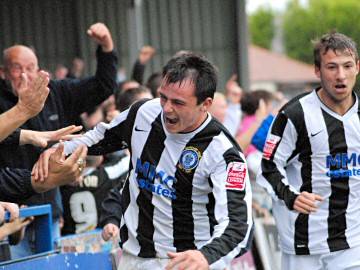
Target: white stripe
pixel 95 135
pixel 118 169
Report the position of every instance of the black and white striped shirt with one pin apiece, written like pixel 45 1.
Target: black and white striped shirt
pixel 184 191
pixel 311 148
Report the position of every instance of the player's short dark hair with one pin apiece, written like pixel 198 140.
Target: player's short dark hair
pixel 337 42
pixel 190 65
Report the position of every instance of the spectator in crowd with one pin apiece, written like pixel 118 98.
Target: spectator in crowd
pixel 125 99
pixel 66 101
pixel 145 55
pixel 310 165
pixel 153 83
pixel 219 107
pixel 77 69
pixel 256 106
pixel 233 93
pixel 61 72
pixel 188 178
pixel 17 184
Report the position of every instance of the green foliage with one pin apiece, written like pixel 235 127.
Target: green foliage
pixel 261 27
pixel 304 24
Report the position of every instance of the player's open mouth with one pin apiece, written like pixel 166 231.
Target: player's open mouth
pixel 171 121
pixel 340 86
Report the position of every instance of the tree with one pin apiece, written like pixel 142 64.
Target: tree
pixel 304 24
pixel 262 27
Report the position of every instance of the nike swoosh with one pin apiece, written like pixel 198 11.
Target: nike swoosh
pixel 314 134
pixel 137 129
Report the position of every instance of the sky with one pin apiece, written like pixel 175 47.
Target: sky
pixel 278 5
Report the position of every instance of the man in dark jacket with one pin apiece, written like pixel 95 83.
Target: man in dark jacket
pixel 66 101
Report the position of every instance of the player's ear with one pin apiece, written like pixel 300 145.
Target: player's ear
pixel 206 104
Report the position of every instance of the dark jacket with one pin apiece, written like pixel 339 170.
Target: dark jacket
pixel 15 185
pixel 66 101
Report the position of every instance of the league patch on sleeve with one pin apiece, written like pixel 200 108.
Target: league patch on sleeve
pixel 236 175
pixel 270 146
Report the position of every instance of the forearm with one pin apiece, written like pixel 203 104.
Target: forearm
pixel 138 72
pixel 11 120
pixel 111 209
pixel 26 136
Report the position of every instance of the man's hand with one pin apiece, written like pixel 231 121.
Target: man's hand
pixel 146 53
pixel 32 95
pixel 109 231
pixel 305 202
pixel 42 138
pixel 101 35
pixel 189 260
pixel 12 208
pixel 59 171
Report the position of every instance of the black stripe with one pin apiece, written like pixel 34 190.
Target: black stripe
pixel 303 147
pixel 152 151
pixel 339 197
pixel 210 207
pixel 125 202
pixel 269 169
pixel 118 137
pixel 183 221
pixel 237 227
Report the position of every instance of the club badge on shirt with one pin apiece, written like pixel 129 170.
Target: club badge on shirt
pixel 236 175
pixel 189 159
pixel 270 146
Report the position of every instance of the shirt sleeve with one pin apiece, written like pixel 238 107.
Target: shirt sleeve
pixel 232 197
pixel 15 185
pixel 13 138
pixel 259 138
pixel 106 138
pixel 111 210
pixel 82 95
pixel 278 152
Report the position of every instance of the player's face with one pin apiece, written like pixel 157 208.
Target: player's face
pixel 338 75
pixel 180 109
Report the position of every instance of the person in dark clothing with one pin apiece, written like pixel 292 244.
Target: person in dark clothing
pixel 145 55
pixel 19 184
pixel 66 101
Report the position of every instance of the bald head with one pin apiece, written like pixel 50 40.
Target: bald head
pixel 218 107
pixel 19 59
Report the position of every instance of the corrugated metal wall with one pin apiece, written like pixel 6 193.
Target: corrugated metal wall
pixel 205 26
pixel 57 29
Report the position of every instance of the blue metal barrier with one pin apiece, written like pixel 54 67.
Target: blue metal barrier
pixel 43 224
pixel 47 257
pixel 68 261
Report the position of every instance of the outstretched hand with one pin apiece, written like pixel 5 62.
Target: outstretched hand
pixel 42 138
